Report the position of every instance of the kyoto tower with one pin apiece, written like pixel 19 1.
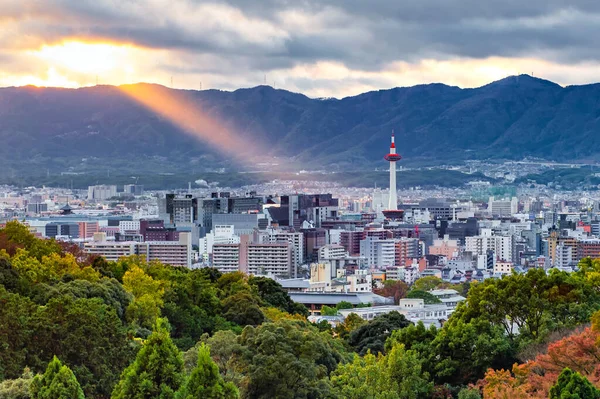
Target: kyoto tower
pixel 392 212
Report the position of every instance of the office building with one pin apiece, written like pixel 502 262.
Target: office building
pixel 101 192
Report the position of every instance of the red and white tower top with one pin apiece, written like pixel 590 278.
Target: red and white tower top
pixel 392 156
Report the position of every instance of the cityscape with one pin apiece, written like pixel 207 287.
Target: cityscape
pixel 299 200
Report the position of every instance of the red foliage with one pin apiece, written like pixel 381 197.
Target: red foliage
pixel 579 352
pixel 7 245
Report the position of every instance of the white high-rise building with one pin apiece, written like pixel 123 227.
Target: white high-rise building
pixel 101 192
pixel 380 253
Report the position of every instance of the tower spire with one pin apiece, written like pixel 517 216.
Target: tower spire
pixel 392 157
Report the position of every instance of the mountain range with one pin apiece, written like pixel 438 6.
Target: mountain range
pixel 513 118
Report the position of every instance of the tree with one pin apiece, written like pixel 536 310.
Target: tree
pixel 362 378
pixel 148 297
pixel 344 305
pixel 572 385
pixel 18 388
pixel 428 299
pixel 88 335
pixel 16 326
pixel 397 375
pixel 243 309
pixel 58 382
pixel 372 336
pixel 328 311
pixel 462 352
pixel 469 393
pixel 205 380
pixel 405 371
pixel 396 289
pixel 288 359
pixel 427 283
pixel 156 371
pixel 350 323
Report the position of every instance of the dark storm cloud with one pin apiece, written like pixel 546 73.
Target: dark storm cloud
pixel 361 34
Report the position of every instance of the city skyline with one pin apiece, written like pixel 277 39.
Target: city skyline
pixel 323 49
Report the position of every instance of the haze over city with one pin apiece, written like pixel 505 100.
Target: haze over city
pixel 320 48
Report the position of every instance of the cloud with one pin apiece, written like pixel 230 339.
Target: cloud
pixel 321 47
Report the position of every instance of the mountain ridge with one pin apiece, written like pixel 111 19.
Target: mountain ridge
pixel 512 118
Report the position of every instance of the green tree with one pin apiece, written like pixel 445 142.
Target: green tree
pixel 18 388
pixel 88 335
pixel 469 393
pixel 288 359
pixel 16 327
pixel 328 311
pixel 405 371
pixel 428 283
pixel 427 298
pixel 397 375
pixel 350 323
pixel 372 336
pixel 243 309
pixel 156 371
pixel 462 352
pixel 205 381
pixel 363 378
pixel 58 382
pixel 572 385
pixel 344 305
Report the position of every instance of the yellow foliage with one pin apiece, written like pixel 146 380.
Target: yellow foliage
pixel 275 314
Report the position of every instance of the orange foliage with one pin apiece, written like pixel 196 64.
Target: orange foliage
pixel 533 379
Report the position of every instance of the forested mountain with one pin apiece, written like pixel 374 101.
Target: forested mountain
pixel 73 325
pixel 512 118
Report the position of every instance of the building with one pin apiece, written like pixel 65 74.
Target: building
pixel 243 223
pixel 226 257
pixel 173 209
pixel 294 210
pixel 379 253
pixel 110 250
pixel 66 229
pixel 252 258
pixel 502 267
pixel 445 247
pixel 133 189
pixel 155 230
pixel 174 253
pixel 586 248
pixel 405 250
pixel 220 234
pixel 101 192
pixel 503 207
pixel 414 310
pixel 332 252
pixel 501 245
pixel 87 229
pixel 37 208
pixel 129 226
pixel 350 240
pixel 450 298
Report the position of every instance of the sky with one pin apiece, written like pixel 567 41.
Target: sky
pixel 322 48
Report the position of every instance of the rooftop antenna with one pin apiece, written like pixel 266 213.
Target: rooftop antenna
pixel 265 79
pixel 200 85
pixel 171 82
